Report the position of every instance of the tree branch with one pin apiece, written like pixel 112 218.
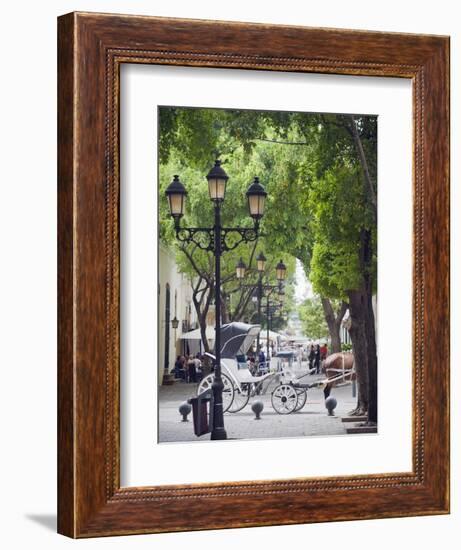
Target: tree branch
pixel 189 256
pixel 364 163
pixel 283 142
pixel 328 310
pixel 342 311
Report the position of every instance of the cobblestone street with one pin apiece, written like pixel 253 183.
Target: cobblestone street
pixel 312 420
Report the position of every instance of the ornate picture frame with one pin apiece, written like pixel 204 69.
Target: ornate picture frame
pixel 92 47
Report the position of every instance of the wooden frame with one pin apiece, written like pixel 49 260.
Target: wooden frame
pixel 91 49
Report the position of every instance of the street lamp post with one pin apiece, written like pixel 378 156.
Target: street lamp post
pixel 271 308
pixel 215 239
pixel 261 265
pixel 263 289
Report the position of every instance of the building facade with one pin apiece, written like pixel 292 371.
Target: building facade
pixel 174 301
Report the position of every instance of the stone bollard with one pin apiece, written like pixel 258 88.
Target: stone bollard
pixel 257 407
pixel 330 404
pixel 184 409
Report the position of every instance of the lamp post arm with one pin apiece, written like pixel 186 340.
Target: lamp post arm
pixel 203 237
pixel 231 237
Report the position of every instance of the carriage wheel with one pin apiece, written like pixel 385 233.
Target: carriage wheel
pixel 284 399
pixel 227 393
pixel 241 398
pixel 302 397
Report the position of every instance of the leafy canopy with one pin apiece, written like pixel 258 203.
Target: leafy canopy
pixel 318 202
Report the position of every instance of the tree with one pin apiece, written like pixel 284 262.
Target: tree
pixel 312 318
pixel 341 226
pixel 198 264
pixel 237 297
pixel 338 267
pixel 334 320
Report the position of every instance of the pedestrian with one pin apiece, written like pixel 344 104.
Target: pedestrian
pixel 323 355
pixel 299 356
pixel 311 357
pixel 323 352
pixel 178 367
pixel 186 368
pixel 191 369
pixel 252 365
pixel 261 359
pixel 317 359
pixel 197 367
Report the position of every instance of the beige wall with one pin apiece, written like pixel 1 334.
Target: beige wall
pixel 179 286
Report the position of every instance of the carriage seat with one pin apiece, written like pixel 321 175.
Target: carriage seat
pixel 244 376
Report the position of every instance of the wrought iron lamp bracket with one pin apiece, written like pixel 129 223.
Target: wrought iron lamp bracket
pixel 203 237
pixel 231 237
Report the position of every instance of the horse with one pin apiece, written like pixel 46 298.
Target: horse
pixel 338 367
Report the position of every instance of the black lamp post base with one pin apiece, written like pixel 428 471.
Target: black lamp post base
pixel 218 433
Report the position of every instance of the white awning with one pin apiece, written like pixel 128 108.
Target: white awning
pixel 272 335
pixel 196 334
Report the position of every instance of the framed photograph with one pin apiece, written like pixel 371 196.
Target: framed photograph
pixel 253 275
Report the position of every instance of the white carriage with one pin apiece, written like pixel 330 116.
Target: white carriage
pixel 239 382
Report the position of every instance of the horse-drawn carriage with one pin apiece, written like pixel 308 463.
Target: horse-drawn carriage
pixel 288 395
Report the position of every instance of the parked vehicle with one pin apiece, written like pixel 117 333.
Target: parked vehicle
pixel 289 393
pixel 239 383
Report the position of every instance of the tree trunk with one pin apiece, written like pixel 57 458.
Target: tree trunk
pixel 372 359
pixel 202 325
pixel 201 297
pixel 370 332
pixel 358 333
pixel 225 314
pixel 206 346
pixel 334 323
pixel 363 335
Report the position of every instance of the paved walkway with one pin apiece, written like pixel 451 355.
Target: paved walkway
pixel 312 420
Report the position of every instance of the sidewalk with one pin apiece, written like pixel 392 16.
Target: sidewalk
pixel 312 420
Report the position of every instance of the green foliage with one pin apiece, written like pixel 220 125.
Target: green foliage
pixel 340 212
pixel 313 319
pixel 317 205
pixel 199 212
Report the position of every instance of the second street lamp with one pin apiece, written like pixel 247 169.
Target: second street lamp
pixel 281 271
pixel 256 195
pixel 263 290
pixel 215 239
pixel 240 269
pixel 261 262
pixel 176 194
pixel 271 308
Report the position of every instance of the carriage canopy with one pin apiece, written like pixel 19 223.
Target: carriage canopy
pixel 286 354
pixel 236 339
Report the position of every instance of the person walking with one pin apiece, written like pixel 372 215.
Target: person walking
pixel 323 355
pixel 317 359
pixel 311 357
